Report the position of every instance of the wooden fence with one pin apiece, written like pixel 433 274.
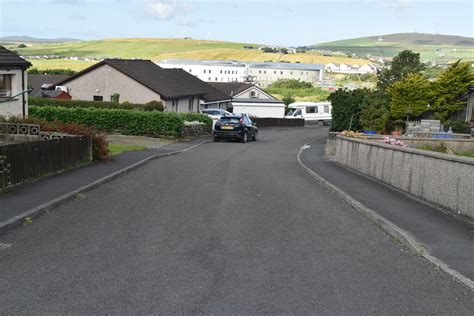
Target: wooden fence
pixel 24 161
pixel 278 122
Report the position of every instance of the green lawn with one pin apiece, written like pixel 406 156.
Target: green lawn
pixel 116 149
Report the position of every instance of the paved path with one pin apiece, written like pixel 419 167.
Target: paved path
pixel 28 196
pixel 446 237
pixel 224 228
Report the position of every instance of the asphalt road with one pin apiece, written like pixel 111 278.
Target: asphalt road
pixel 224 228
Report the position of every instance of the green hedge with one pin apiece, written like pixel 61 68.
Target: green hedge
pixel 94 104
pixel 126 122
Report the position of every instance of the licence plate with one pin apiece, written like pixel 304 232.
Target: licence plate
pixel 227 127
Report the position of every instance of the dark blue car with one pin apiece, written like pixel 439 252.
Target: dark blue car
pixel 235 126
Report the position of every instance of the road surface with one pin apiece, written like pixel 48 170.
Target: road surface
pixel 224 228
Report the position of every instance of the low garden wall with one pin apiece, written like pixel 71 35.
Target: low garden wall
pixel 278 122
pixel 28 160
pixel 445 180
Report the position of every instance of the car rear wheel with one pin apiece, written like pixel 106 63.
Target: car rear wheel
pixel 244 138
pixel 254 138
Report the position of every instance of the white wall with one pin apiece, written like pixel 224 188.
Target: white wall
pixel 277 111
pixel 14 107
pixel 211 73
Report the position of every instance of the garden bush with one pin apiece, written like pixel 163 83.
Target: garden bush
pixel 153 123
pixel 150 106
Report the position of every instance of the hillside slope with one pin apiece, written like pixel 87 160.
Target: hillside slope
pixel 431 46
pixel 159 49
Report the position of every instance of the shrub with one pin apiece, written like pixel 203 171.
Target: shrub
pixel 346 109
pixel 99 144
pixel 154 106
pixel 458 126
pixel 150 106
pixel 152 123
pixel 54 72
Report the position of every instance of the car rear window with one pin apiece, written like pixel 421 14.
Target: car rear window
pixel 229 120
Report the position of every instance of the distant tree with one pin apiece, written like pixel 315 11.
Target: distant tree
pixel 21 46
pixel 290 84
pixel 410 97
pixel 346 108
pixel 284 51
pixel 268 50
pixel 288 99
pixel 404 64
pixel 449 87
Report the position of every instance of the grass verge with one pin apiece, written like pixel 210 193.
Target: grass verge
pixel 116 149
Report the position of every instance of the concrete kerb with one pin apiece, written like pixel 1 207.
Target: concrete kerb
pixel 386 225
pixel 45 207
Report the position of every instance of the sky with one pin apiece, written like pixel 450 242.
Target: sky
pixel 284 22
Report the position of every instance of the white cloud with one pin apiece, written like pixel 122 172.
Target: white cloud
pixel 163 10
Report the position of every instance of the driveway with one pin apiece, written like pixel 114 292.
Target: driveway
pixel 223 228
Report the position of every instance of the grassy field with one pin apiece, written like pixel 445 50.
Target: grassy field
pixel 77 65
pixel 430 46
pixel 125 47
pixel 160 49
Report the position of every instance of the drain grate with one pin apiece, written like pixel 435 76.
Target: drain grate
pixel 4 246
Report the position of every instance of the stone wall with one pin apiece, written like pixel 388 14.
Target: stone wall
pixel 191 129
pixel 442 179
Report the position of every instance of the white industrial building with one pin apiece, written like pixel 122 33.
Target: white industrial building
pixel 261 73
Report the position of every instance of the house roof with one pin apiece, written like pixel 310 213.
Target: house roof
pixel 11 59
pixel 36 81
pixel 168 83
pixel 231 88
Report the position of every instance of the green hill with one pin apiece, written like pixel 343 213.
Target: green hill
pixel 158 49
pixel 430 46
pixel 125 47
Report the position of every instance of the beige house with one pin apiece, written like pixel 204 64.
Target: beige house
pixel 13 84
pixel 142 81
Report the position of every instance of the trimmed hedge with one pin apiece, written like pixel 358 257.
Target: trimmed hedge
pixel 126 122
pixel 151 106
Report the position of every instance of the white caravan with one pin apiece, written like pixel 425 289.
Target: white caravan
pixel 313 112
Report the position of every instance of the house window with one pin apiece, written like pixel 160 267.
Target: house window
pixel 281 72
pixel 174 105
pixel 98 98
pixel 221 71
pixel 265 72
pixel 190 70
pixel 204 70
pixel 291 72
pixel 217 79
pixel 209 70
pixel 253 94
pixel 5 85
pixel 259 71
pixel 191 104
pixel 210 79
pixel 274 72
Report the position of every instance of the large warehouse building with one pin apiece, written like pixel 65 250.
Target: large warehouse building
pixel 261 73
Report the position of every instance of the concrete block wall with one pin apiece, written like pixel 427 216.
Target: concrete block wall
pixel 442 179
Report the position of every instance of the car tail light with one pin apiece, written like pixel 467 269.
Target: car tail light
pixel 241 121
